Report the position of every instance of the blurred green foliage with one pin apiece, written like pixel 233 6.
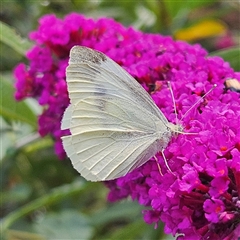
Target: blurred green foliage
pixel 42 197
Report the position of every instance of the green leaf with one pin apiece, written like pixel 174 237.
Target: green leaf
pixel 56 195
pixel 12 39
pixel 17 194
pixel 131 231
pixel 174 7
pixel 10 109
pixel 138 230
pixel 67 224
pixel 22 235
pixel 231 55
pixel 122 210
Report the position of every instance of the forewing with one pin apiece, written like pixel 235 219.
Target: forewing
pixel 92 72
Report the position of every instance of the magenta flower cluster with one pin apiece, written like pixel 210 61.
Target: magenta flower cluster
pixel 201 200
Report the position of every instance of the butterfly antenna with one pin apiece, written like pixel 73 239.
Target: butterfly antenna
pixel 173 99
pixel 199 100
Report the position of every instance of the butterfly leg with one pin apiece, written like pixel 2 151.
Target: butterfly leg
pixel 165 161
pixel 159 167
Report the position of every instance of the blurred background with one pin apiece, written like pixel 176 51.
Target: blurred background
pixel 43 197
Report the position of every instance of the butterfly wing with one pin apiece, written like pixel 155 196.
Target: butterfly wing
pixel 111 118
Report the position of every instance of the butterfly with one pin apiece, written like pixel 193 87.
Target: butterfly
pixel 232 84
pixel 115 126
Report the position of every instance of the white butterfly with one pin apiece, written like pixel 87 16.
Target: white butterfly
pixel 115 125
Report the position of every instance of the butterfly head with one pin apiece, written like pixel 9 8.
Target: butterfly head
pixel 175 129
